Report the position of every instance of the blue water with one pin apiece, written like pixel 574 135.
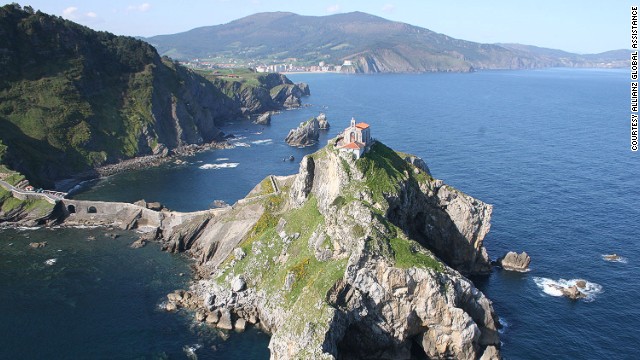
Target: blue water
pixel 99 299
pixel 548 148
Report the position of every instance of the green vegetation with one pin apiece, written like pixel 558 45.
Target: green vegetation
pixel 266 187
pixel 69 103
pixel 408 253
pixel 72 99
pixel 10 176
pixel 3 150
pixel 383 170
pixel 34 208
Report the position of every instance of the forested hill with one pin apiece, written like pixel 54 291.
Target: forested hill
pixel 371 43
pixel 72 99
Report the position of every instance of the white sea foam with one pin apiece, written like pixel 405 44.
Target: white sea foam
pixel 28 228
pixel 51 262
pixel 85 226
pixel 222 159
pixel 550 287
pixel 219 166
pixel 240 144
pixel 262 142
pixel 190 350
pixel 504 325
pixel 619 259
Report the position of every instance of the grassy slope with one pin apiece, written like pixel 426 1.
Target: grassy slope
pixel 70 97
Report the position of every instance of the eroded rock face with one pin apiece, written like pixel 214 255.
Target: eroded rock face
pixel 513 261
pixel 442 313
pixel 304 135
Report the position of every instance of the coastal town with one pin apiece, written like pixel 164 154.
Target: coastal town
pixel 290 65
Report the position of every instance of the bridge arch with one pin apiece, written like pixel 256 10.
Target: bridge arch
pixel 92 210
pixel 71 208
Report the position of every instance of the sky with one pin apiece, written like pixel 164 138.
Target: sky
pixel 580 26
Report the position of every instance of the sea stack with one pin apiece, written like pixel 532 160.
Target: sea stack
pixel 304 135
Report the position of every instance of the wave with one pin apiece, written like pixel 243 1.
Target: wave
pixel 221 159
pixel 51 262
pixel 240 144
pixel 550 287
pixel 260 142
pixel 617 258
pixel 219 166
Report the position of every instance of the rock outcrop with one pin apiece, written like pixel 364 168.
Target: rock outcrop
pixel 304 135
pixel 349 259
pixel 323 123
pixel 264 119
pixel 513 261
pixel 572 292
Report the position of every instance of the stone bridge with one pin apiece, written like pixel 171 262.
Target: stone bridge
pixel 124 215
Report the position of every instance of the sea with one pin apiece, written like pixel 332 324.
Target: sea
pixel 550 149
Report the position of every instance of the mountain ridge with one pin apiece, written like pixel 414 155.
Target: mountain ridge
pixel 372 43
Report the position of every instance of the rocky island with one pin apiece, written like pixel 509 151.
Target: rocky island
pixel 307 133
pixel 349 258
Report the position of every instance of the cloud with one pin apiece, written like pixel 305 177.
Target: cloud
pixel 144 7
pixel 388 8
pixel 333 9
pixel 70 12
pixel 73 13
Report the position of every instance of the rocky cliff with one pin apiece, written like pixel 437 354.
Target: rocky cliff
pixel 73 99
pixel 348 259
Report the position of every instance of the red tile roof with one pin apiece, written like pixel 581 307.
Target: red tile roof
pixel 353 145
pixel 362 125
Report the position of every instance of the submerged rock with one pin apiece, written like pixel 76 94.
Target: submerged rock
pixel 38 245
pixel 612 257
pixel 573 293
pixel 138 244
pixel 513 261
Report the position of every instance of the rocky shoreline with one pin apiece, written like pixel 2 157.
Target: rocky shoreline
pixel 138 163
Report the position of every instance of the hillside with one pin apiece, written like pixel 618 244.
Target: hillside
pixel 374 44
pixel 72 99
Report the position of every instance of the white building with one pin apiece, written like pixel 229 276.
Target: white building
pixel 355 139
